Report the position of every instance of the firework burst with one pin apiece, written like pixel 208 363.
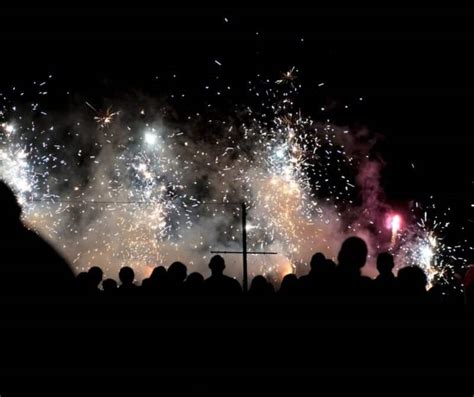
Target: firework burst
pixel 143 193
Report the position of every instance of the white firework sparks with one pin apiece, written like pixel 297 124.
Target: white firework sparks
pixel 133 190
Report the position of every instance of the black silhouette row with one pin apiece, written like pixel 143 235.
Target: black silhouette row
pixel 30 266
pixel 173 281
pixel 325 279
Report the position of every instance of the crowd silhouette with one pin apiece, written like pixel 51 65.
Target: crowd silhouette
pixel 30 266
pixel 325 280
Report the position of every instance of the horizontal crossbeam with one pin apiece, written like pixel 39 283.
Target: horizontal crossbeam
pixel 248 252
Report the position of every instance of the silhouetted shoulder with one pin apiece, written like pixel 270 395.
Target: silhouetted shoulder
pixel 28 264
pixel 39 268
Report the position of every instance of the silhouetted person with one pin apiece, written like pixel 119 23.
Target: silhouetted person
pixel 156 284
pixel 270 289
pixel 330 265
pixel 94 278
pixel 145 286
pixel 412 283
pixel 194 284
pixel 436 293
pixel 28 265
pixel 158 274
pixel 385 282
pixel 82 283
pixel 320 279
pixel 452 293
pixel 289 286
pixel 176 274
pixel 468 286
pixel 219 284
pixel 260 287
pixel 351 259
pixel 127 277
pixel 109 286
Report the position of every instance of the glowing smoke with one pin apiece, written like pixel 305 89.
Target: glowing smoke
pixel 139 190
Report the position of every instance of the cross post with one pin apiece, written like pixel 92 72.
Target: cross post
pixel 244 251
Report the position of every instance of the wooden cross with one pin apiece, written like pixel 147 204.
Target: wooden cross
pixel 244 251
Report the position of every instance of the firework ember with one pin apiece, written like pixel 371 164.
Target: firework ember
pixel 129 188
pixel 394 224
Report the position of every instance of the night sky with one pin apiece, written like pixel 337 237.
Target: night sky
pixel 406 75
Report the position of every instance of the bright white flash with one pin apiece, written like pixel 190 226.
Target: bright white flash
pixel 280 153
pixel 8 127
pixel 426 254
pixel 151 138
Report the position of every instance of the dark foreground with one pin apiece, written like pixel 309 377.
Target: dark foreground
pixel 142 346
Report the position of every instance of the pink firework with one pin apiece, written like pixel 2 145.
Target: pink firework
pixel 394 222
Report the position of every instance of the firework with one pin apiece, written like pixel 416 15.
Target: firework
pixel 150 138
pixel 287 77
pixel 142 193
pixel 8 128
pixel 422 244
pixel 103 118
pixel 394 223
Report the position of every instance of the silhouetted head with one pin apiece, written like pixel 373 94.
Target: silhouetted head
pixel 353 253
pixel 385 263
pixel 82 280
pixel 126 275
pixel 317 261
pixel 158 273
pixel 177 272
pixel 289 285
pixel 412 280
pixel 258 286
pixel 217 265
pixel 95 275
pixel 330 264
pixel 109 285
pixel 195 278
pixel 11 210
pixel 468 284
pixel 194 284
pixel 468 279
